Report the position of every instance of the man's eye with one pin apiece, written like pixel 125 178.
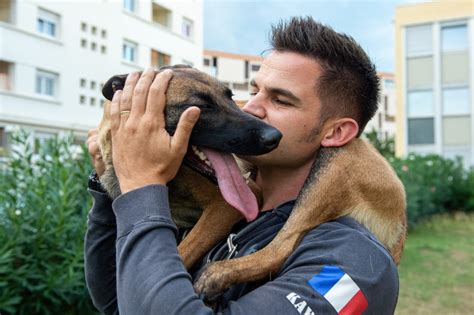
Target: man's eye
pixel 281 102
pixel 253 93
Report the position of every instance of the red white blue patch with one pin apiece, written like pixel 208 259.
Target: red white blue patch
pixel 338 288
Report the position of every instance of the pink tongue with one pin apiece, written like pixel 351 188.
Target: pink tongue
pixel 232 184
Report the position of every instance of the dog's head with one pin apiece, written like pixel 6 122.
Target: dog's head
pixel 222 125
pixel 222 128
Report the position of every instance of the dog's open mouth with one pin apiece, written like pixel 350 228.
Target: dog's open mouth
pixel 221 168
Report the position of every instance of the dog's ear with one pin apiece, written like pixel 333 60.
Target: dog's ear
pixel 115 83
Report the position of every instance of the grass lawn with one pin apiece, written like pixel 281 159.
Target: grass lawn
pixel 437 268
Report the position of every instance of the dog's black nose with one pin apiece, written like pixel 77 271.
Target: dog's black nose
pixel 270 138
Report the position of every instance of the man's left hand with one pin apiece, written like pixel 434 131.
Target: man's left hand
pixel 143 151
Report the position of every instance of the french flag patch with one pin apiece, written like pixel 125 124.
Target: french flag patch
pixel 339 290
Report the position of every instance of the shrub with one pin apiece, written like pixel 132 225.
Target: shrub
pixel 43 209
pixel 434 185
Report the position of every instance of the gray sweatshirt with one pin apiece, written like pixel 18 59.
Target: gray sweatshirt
pixel 132 265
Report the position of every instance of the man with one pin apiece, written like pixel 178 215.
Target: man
pixel 318 88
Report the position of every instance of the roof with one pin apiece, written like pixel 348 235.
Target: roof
pixel 215 53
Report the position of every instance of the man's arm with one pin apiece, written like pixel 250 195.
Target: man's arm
pixel 151 278
pixel 99 254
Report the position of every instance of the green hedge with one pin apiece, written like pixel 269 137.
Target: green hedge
pixel 43 210
pixel 434 185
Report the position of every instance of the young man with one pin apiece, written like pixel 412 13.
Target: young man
pixel 318 88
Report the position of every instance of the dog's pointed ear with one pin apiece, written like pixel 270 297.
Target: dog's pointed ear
pixel 115 83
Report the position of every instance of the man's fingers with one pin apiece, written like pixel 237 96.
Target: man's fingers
pixel 140 93
pixel 127 94
pixel 157 96
pixel 115 112
pixel 185 126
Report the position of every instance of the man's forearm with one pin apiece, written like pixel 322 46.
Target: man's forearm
pixel 100 266
pixel 151 278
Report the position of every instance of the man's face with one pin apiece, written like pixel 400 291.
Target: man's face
pixel 283 94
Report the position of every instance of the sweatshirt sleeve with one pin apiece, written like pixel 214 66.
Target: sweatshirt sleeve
pixel 99 250
pixel 151 278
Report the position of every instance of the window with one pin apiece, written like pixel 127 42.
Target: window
pixel 47 23
pixel 83 83
pixel 385 103
pixel 82 99
pixel 454 38
pixel 206 61
pixel 129 51
pixel 187 28
pixel 240 86
pixel 3 137
pixel 455 68
pixel 103 49
pixel 83 26
pixel 93 30
pixel 83 43
pixel 104 34
pixel 457 130
pixel 420 104
pixel 420 72
pixel 159 59
pixel 93 46
pixel 456 101
pixel 421 131
pixel 246 69
pixel 129 5
pixel 255 67
pixel 46 83
pixel 92 85
pixel 389 83
pixel 214 62
pixel 419 40
pixel 161 15
pixel 92 101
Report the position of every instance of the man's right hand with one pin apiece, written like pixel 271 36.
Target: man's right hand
pixel 94 151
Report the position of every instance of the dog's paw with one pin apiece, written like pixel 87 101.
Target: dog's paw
pixel 213 281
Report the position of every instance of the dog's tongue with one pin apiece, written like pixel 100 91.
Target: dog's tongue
pixel 232 184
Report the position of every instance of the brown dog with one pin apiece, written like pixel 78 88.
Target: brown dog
pixel 367 189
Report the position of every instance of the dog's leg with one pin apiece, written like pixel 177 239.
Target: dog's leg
pixel 214 225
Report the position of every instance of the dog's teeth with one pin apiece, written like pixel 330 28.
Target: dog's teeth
pixel 195 150
pixel 201 155
pixel 208 163
pixel 247 175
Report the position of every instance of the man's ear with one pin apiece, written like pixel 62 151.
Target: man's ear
pixel 339 132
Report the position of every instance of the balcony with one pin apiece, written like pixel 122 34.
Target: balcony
pixel 161 15
pixel 159 59
pixel 6 11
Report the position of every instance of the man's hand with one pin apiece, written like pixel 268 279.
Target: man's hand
pixel 94 152
pixel 143 151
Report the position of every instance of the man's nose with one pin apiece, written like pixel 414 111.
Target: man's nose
pixel 255 108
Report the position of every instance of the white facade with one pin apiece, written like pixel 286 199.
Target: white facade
pixel 234 70
pixel 55 55
pixel 384 119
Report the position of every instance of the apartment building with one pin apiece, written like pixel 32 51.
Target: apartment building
pixel 56 55
pixel 234 70
pixel 384 119
pixel 434 79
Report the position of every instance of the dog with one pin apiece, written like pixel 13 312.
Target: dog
pixel 367 187
pixel 222 128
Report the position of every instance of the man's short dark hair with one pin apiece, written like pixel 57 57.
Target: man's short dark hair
pixel 348 86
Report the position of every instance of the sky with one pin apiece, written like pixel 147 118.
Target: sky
pixel 242 26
